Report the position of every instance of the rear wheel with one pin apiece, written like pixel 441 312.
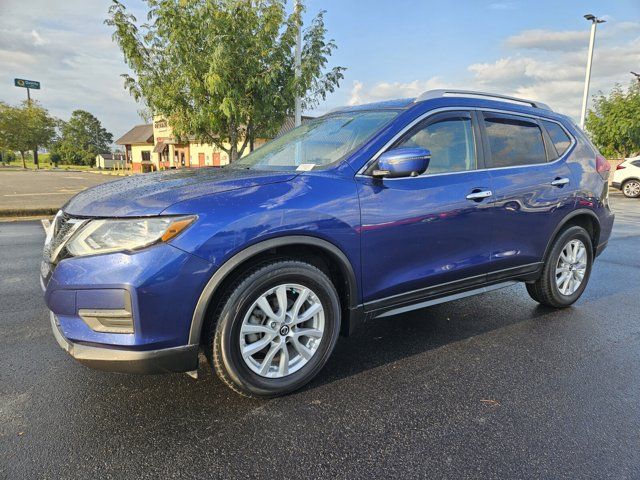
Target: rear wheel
pixel 566 270
pixel 631 188
pixel 276 329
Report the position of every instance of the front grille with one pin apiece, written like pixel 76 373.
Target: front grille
pixel 62 229
pixel 59 229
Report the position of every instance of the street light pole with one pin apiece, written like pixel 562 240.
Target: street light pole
pixel 298 67
pixel 592 40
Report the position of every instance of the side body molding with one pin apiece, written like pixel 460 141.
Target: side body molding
pixel 203 302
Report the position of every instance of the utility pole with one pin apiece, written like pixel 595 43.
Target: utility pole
pixel 298 64
pixel 592 40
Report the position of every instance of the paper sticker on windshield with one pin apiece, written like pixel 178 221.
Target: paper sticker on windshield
pixel 305 167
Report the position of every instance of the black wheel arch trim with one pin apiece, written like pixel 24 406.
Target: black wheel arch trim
pixel 563 222
pixel 199 313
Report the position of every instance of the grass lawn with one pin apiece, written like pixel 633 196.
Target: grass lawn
pixel 43 160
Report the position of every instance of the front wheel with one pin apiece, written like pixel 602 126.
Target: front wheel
pixel 276 329
pixel 631 188
pixel 566 270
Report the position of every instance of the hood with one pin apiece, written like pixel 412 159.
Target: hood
pixel 151 193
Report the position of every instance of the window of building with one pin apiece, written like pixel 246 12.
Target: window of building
pixel 146 156
pixel 513 141
pixel 558 136
pixel 451 142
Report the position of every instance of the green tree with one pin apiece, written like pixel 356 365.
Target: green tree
pixel 81 139
pixel 614 122
pixel 223 71
pixel 25 127
pixel 55 158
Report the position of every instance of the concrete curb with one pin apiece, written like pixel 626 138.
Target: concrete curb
pixel 27 212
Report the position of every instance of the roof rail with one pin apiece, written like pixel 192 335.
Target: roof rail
pixel 439 93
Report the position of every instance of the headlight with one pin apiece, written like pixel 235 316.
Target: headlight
pixel 103 236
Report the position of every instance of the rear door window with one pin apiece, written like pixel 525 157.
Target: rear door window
pixel 513 141
pixel 561 141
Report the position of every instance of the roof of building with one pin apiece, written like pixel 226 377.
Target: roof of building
pixel 138 134
pixel 112 156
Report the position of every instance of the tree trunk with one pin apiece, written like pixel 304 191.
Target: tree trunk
pixel 233 151
pixel 24 164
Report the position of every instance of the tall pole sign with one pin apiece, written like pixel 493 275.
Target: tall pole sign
pixel 29 84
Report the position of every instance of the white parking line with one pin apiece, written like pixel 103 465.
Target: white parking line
pixel 40 194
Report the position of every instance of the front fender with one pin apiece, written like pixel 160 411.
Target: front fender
pixel 320 210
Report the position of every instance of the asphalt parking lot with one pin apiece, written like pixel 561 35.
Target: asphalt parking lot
pixel 493 386
pixel 33 189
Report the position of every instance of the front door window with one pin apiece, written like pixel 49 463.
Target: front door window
pixel 451 142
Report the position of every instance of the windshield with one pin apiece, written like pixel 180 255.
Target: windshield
pixel 317 143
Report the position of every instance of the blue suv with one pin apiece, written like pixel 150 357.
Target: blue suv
pixel 365 212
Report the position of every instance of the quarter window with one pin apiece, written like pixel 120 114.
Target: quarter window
pixel 451 143
pixel 514 141
pixel 558 136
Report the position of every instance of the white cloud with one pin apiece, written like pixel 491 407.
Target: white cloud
pixel 545 66
pixel 549 40
pixel 355 97
pixel 387 90
pixel 66 47
pixel 502 6
pixel 557 78
pixel 628 27
pixel 37 39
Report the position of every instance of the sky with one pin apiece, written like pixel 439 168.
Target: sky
pixel 391 49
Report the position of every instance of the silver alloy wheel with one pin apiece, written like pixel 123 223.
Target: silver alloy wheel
pixel 282 330
pixel 571 267
pixel 631 188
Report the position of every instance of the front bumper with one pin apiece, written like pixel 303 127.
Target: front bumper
pixel 158 286
pixel 175 359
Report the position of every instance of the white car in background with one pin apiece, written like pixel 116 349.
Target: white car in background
pixel 627 177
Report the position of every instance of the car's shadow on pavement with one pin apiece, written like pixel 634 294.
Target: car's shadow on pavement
pixel 376 344
pixel 406 348
pixel 387 340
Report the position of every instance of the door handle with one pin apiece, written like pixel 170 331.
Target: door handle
pixel 479 195
pixel 560 181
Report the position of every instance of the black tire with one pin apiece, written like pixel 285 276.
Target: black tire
pixel 545 290
pixel 627 191
pixel 223 348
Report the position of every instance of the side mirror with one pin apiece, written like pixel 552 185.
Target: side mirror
pixel 402 162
